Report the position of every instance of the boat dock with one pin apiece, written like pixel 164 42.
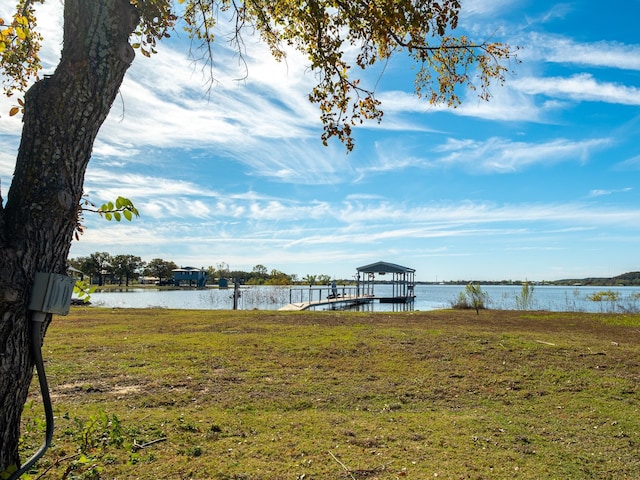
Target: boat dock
pixel 335 297
pixel 402 289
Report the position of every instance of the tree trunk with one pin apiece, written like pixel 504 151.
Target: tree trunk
pixel 63 113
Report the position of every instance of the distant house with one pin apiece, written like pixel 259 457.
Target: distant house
pixel 189 276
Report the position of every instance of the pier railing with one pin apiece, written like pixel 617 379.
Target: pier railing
pixel 318 294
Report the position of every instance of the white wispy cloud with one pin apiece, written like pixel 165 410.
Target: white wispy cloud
pixel 562 49
pixel 506 104
pixel 264 122
pixel 599 192
pixel 233 114
pixel 485 156
pixel 360 225
pixel 500 155
pixel 303 161
pixel 390 156
pixel 103 182
pixel 632 163
pixel 407 113
pixel 486 7
pixel 582 87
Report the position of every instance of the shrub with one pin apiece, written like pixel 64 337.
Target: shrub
pixel 604 296
pixel 472 297
pixel 461 302
pixel 524 301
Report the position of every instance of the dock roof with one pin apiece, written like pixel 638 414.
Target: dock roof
pixel 385 267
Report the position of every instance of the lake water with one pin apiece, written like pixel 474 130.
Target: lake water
pixel 428 297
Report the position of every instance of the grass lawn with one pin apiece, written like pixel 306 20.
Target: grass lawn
pixel 250 395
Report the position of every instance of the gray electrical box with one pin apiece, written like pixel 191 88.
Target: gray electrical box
pixel 51 293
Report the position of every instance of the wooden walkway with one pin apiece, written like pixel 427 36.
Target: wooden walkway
pixel 340 301
pixel 304 298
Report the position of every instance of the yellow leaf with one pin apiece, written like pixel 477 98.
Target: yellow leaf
pixel 20 33
pixel 13 111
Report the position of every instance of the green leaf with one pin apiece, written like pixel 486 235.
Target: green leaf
pixel 7 473
pixel 117 216
pixel 127 214
pixel 83 290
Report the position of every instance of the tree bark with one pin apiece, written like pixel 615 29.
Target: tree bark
pixel 63 113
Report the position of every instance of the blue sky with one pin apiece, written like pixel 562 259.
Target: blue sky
pixel 541 183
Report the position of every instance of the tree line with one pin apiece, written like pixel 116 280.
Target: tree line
pixel 103 268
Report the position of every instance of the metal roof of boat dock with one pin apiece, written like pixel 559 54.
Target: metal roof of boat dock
pixel 385 267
